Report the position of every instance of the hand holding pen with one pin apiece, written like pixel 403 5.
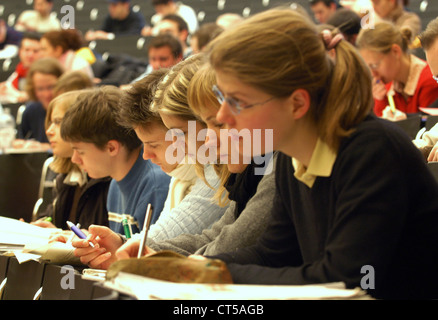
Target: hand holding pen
pixel 78 232
pixel 106 243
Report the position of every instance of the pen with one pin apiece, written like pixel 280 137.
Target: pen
pixel 126 228
pixel 78 232
pixel 147 222
pixel 391 103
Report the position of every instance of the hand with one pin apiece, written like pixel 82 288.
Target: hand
pixel 103 254
pixel 433 155
pixel 43 223
pixel 130 249
pixel 389 115
pixel 379 89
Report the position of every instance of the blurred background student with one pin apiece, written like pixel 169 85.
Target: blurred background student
pixel 63 45
pixel 40 84
pixel 396 72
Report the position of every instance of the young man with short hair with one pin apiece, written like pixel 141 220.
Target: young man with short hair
pixel 104 148
pixel 323 9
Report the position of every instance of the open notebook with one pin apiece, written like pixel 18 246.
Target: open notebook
pixel 29 242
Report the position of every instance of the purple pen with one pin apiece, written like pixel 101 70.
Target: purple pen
pixel 78 232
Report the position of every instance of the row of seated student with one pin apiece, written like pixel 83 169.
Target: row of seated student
pixel 334 209
pixel 350 183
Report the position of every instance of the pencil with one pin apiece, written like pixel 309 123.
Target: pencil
pixel 391 103
pixel 147 222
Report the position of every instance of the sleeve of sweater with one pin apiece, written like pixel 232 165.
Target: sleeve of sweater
pixel 229 234
pixel 196 212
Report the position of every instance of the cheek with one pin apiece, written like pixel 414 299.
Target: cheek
pixel 64 150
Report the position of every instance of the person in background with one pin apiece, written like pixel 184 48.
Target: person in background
pixel 429 41
pixel 121 20
pixel 176 26
pixel 397 73
pixel 39 19
pixel 228 19
pixel 393 11
pixel 165 7
pixel 202 37
pixel 41 80
pixel 335 210
pixel 323 9
pixel 13 89
pixel 104 148
pixel 63 45
pixel 9 41
pixel 348 22
pixel 164 51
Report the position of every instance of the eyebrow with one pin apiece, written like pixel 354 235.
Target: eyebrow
pixel 210 118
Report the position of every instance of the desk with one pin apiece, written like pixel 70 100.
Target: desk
pixel 20 176
pixel 24 281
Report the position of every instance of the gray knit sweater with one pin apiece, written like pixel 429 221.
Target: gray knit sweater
pixel 228 234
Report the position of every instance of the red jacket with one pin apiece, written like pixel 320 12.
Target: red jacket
pixel 425 94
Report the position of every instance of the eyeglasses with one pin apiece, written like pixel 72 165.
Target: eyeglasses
pixel 374 66
pixel 233 103
pixel 435 78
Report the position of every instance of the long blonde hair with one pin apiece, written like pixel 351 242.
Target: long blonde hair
pixel 279 51
pixel 63 101
pixel 171 98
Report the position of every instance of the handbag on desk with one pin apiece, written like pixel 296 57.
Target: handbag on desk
pixel 171 266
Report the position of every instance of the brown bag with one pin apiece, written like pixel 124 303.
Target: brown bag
pixel 171 266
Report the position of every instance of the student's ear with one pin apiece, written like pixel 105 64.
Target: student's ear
pixel 396 50
pixel 113 147
pixel 300 103
pixel 58 51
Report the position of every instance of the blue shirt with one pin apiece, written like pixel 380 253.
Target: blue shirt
pixel 145 183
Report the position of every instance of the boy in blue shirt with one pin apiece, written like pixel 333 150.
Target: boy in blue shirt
pixel 104 148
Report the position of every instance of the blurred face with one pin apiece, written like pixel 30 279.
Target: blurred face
pixel 168 26
pixel 118 10
pixel 272 117
pixel 96 162
pixel 43 7
pixel 194 45
pixel 224 149
pixel 163 9
pixel 44 85
pixel 186 140
pixel 60 147
pixel 49 51
pixel 162 58
pixel 432 58
pixel 29 51
pixel 322 13
pixel 155 145
pixel 383 66
pixel 383 7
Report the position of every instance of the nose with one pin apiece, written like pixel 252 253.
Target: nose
pixel 225 116
pixel 75 158
pixel 147 154
pixel 50 130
